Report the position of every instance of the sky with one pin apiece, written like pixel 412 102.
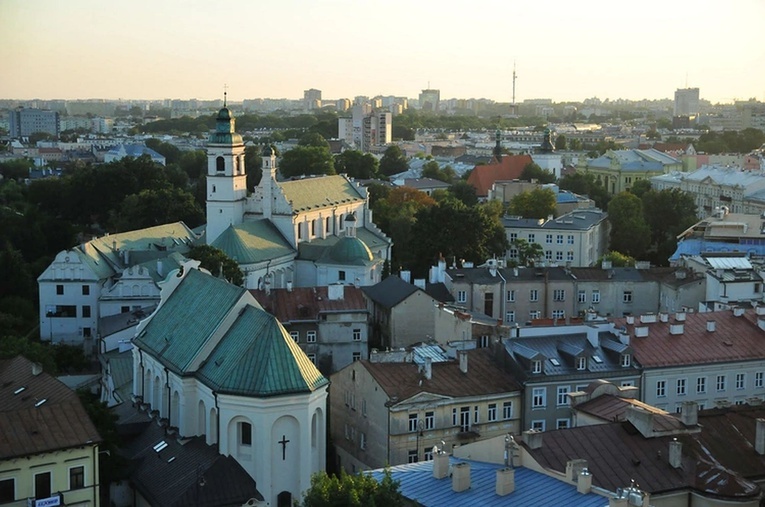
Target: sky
pixel 562 50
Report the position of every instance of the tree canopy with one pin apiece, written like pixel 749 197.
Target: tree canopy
pixel 216 261
pixel 357 164
pixel 584 183
pixel 307 161
pixel 532 171
pixel 360 490
pixel 630 233
pixel 536 203
pixel 393 161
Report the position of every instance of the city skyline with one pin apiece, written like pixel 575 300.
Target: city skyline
pixel 565 51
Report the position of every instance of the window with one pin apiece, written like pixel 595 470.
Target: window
pixel 758 378
pixel 7 490
pixel 627 296
pixel 559 314
pixel 312 357
pixel 412 457
pixel 534 314
pixel 513 236
pixel 299 230
pixel 509 317
pixel 570 239
pixel 42 485
pixel 562 424
pixel 357 335
pixel 701 385
pixel 581 363
pixel 548 255
pixel 454 417
pixel 86 332
pixel 491 414
pixel 570 255
pixel 86 312
pixel 364 408
pixel 363 441
pixel 464 419
pixel 356 356
pixel 661 388
pixel 59 290
pixel 461 296
pixel 220 164
pixel 313 227
pixel 563 395
pixel 626 360
pixel 511 296
pixel 740 380
pixel 536 366
pixel 413 423
pixel 532 238
pixel 581 296
pixel 476 417
pixel 341 275
pixel 328 225
pixel 310 337
pixel 86 290
pixel 538 397
pixel 533 295
pixel 507 410
pixel 77 477
pixel 559 295
pixel 483 341
pixel 428 455
pixel 245 433
pixel 430 420
pixel 295 336
pixel 681 387
pixel 721 382
pixel 538 425
pixel 627 383
pixel 548 238
pixel 558 256
pixel 559 239
pixel 596 296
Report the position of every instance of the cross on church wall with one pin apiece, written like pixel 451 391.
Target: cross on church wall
pixel 284 442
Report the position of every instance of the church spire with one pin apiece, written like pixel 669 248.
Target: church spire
pixel 498 147
pixel 225 92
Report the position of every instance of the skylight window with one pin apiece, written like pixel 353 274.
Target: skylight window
pixel 17 391
pixel 597 359
pixel 41 402
pixel 554 361
pixel 160 446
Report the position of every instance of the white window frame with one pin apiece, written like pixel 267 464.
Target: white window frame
pixel 357 335
pixel 661 388
pixel 595 296
pixel 625 360
pixel 759 378
pixel 559 294
pixel 627 296
pixel 533 295
pixel 720 383
pixel 538 397
pixel 491 412
pixel 536 366
pixel 562 395
pixel 310 337
pixel 701 385
pixel 681 387
pixel 538 424
pixel 510 316
pixel 581 363
pixel 581 296
pixel 430 420
pixel 461 296
pixel 507 410
pixel 295 336
pixel 511 296
pixel 740 381
pixel 562 424
pixel 413 422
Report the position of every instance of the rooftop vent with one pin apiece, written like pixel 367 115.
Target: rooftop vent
pixel 676 328
pixel 663 317
pixel 641 331
pixel 680 316
pixel 711 326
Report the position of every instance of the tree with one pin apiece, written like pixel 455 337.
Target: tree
pixel 253 164
pixel 528 253
pixel 667 213
pixel 532 171
pixel 361 490
pixel 171 153
pixel 465 192
pixel 630 233
pixel 640 187
pixel 194 164
pixel 313 139
pixel 306 160
pixel 357 164
pixel 560 142
pixel 584 183
pixel 153 207
pixel 215 260
pixel 536 203
pixel 617 260
pixel 393 161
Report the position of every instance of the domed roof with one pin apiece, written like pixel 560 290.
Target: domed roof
pixel 225 129
pixel 268 151
pixel 224 114
pixel 350 251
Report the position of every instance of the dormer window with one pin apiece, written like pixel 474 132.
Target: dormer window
pixel 536 367
pixel 581 363
pixel 626 360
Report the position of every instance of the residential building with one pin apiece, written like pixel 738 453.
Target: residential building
pixel 715 187
pixel 430 100
pixel 686 102
pixel 723 232
pixel 24 122
pixel 312 99
pixel 212 363
pixel 105 276
pixel 730 280
pixel 133 150
pixel 618 170
pixel 331 324
pixel 611 291
pixel 49 450
pixel 578 238
pixel 308 232
pixel 552 362
pixel 395 412
pixel 715 359
pixel 401 313
pixel 426 185
pixel 366 129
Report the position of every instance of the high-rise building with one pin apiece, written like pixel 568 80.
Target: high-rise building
pixel 686 102
pixel 27 121
pixel 429 100
pixel 312 99
pixel 366 129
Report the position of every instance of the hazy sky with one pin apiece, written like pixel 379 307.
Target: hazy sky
pixel 564 50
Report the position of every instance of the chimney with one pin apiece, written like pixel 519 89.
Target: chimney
pixel 463 357
pixel 505 481
pixel 533 438
pixel 289 285
pixel 160 268
pixel 664 317
pixel 440 463
pixel 648 318
pixel 584 483
pixel 689 413
pixel 711 326
pixel 36 369
pixel 675 454
pixel 676 328
pixel 759 436
pixel 335 292
pixel 617 501
pixel 680 316
pixel 641 419
pixel 630 319
pixel 738 311
pixel 406 276
pixel 759 310
pixel 428 368
pixel 461 477
pixel 761 323
pixel 641 331
pixel 574 467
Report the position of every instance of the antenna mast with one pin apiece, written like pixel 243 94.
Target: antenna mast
pixel 514 77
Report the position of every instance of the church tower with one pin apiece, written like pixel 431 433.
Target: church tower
pixel 226 176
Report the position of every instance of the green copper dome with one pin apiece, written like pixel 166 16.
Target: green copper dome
pixel 350 251
pixel 225 132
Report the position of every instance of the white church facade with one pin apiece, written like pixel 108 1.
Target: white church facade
pixel 313 231
pixel 212 362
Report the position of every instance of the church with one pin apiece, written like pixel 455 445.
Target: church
pixel 313 231
pixel 211 362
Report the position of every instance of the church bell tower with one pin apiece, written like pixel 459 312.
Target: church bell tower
pixel 226 176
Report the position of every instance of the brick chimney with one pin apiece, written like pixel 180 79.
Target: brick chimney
pixel 463 357
pixel 505 481
pixel 461 477
pixel 689 413
pixel 533 438
pixel 759 436
pixel 675 453
pixel 428 368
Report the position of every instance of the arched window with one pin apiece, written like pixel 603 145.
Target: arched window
pixel 201 419
pixel 220 164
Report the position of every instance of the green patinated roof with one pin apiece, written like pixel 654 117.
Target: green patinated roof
pixel 317 248
pixel 253 241
pixel 314 193
pixel 185 321
pixel 348 251
pixel 169 263
pixel 225 129
pixel 257 357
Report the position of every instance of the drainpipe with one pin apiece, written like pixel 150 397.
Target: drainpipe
pixel 502 297
pixel 167 384
pixel 143 376
pixel 217 421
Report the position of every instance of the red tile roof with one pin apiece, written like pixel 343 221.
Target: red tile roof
pixel 307 303
pixel 402 380
pixel 734 339
pixel 57 422
pixel 509 168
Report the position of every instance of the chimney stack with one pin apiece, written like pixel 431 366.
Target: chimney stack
pixel 463 357
pixel 440 463
pixel 675 454
pixel 574 468
pixel 676 328
pixel 36 369
pixel 689 413
pixel 759 436
pixel 711 326
pixel 428 368
pixel 533 438
pixel 460 477
pixel 505 481
pixel 584 483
